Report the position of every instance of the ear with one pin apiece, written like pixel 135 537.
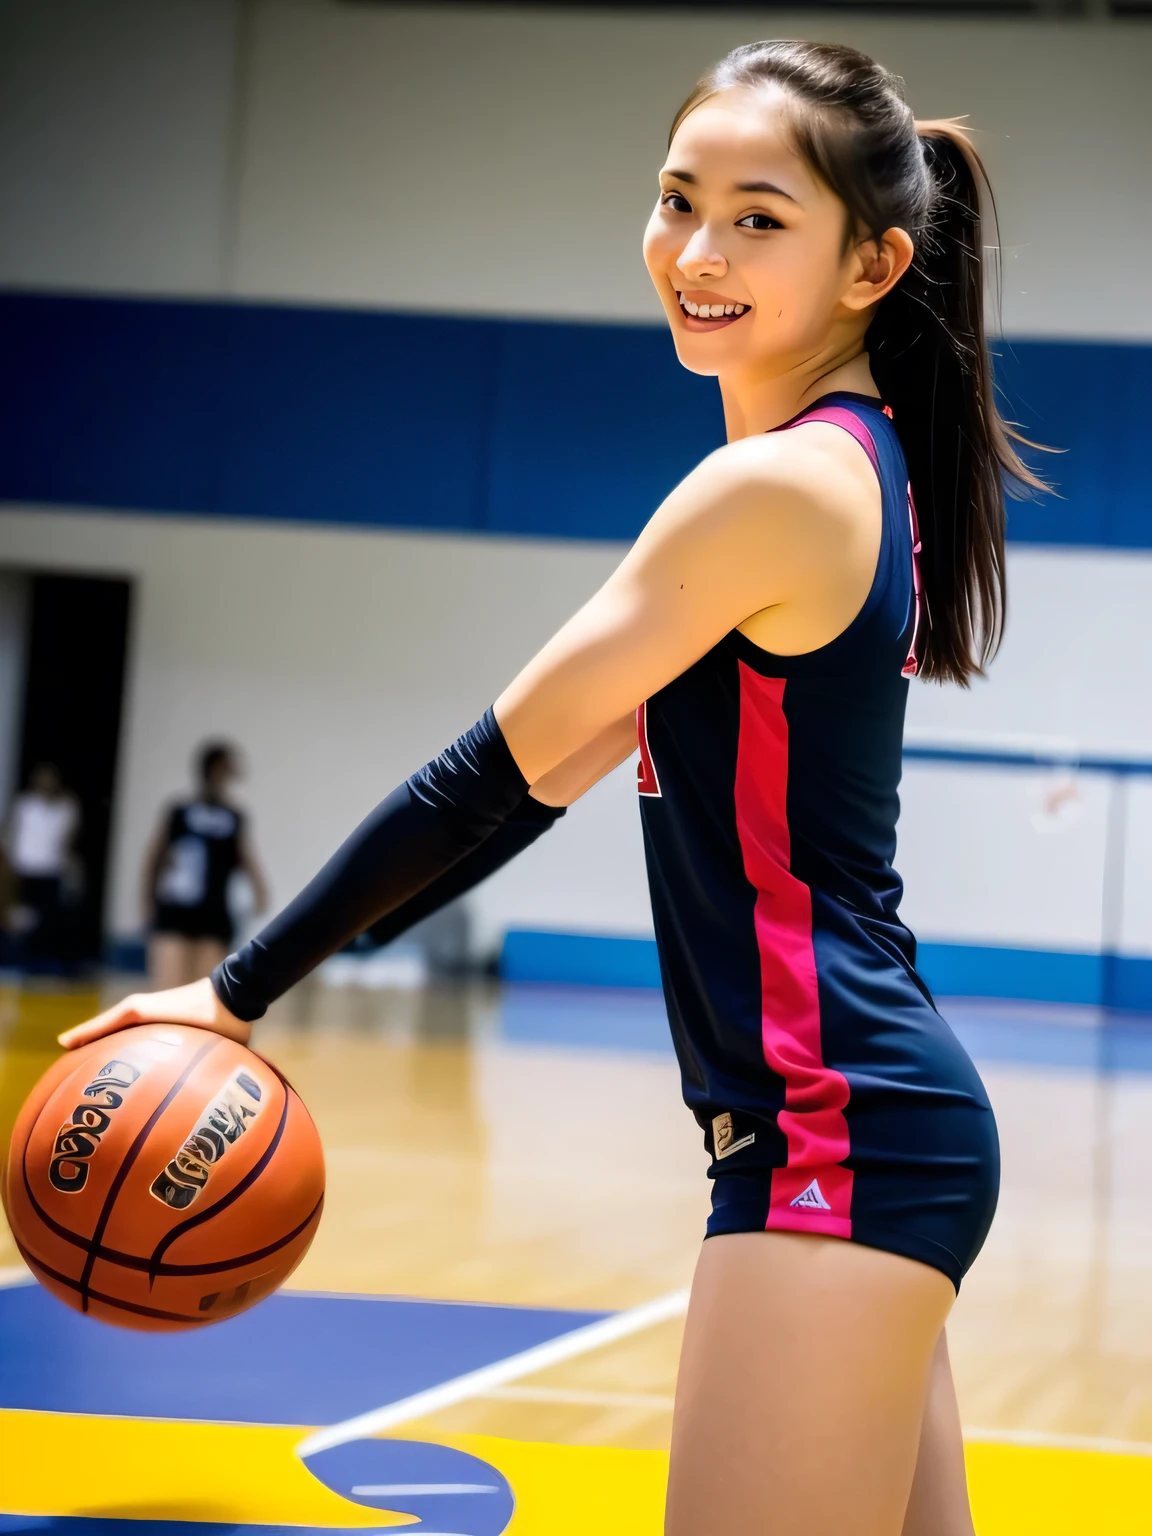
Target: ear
pixel 877 266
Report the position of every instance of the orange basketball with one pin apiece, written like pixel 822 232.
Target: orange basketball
pixel 163 1178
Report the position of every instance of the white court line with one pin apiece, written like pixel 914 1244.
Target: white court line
pixel 654 1401
pixel 491 1381
pixel 475 1383
pixel 1044 1440
pixel 419 1490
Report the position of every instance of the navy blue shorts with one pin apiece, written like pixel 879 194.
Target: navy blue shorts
pixel 201 922
pixel 921 1177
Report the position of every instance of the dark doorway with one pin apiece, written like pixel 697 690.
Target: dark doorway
pixel 73 696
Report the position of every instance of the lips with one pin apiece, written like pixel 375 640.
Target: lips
pixel 702 310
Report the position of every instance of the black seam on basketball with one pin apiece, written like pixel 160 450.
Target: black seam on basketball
pixel 54 1226
pixel 112 1301
pixel 128 1160
pixel 244 1258
pixel 155 1265
pixel 135 1261
pixel 65 1232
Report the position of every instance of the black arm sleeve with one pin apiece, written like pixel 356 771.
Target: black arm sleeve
pixel 435 819
pixel 530 820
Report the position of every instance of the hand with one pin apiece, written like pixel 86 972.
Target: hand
pixel 195 1004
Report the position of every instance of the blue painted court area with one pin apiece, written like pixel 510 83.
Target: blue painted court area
pixel 1067 1035
pixel 447 1489
pixel 1030 1034
pixel 600 1018
pixel 297 1358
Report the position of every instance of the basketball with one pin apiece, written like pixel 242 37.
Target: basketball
pixel 163 1178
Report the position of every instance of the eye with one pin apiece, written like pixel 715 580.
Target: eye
pixel 677 202
pixel 758 221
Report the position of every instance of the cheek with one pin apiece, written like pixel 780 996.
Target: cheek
pixel 660 248
pixel 791 297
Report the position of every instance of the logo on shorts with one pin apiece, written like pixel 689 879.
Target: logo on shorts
pixel 722 1134
pixel 221 1123
pixel 812 1199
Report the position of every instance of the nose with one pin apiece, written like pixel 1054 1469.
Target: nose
pixel 700 261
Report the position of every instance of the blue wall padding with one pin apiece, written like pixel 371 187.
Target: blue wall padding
pixel 331 415
pixel 989 970
pixel 951 970
pixel 420 421
pixel 1090 400
pixel 579 959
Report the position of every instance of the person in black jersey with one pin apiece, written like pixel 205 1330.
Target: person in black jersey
pixel 196 849
pixel 819 252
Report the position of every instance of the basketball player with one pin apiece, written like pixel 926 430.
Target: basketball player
pixel 820 253
pixel 197 848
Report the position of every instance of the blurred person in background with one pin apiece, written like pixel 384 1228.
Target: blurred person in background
pixel 40 844
pixel 197 848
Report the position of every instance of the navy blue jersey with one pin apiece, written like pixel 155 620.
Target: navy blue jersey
pixel 833 1097
pixel 202 851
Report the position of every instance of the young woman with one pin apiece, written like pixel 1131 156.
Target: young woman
pixel 196 849
pixel 819 252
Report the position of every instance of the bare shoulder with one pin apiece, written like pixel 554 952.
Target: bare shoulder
pixel 817 465
pixel 812 482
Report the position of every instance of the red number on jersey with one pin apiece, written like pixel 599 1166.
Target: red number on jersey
pixel 647 781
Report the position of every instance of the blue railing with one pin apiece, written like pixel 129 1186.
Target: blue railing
pixel 1024 757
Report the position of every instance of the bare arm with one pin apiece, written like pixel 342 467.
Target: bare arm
pixel 564 784
pixel 253 870
pixel 784 525
pixel 767 527
pixel 150 868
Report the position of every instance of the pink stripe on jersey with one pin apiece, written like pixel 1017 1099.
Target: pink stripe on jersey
pixel 838 416
pixel 813 1192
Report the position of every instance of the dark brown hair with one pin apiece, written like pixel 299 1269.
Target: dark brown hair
pixel 926 342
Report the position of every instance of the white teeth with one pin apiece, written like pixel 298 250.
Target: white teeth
pixel 710 311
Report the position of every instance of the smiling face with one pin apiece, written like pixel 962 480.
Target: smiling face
pixel 746 246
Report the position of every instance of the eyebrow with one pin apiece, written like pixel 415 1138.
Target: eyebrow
pixel 743 186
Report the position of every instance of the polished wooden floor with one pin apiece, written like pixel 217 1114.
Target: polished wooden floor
pixel 480 1149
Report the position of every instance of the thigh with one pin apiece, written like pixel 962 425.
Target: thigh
pixel 802 1386
pixel 938 1504
pixel 206 955
pixel 169 961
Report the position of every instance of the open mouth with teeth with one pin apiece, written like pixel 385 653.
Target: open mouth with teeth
pixel 704 311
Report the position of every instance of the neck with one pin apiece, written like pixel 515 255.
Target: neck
pixel 754 403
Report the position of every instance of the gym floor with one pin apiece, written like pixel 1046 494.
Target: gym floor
pixel 507 1166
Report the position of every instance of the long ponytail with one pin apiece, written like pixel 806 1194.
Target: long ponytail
pixel 927 342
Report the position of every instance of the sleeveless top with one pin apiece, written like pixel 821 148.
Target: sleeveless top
pixel 202 851
pixel 768 791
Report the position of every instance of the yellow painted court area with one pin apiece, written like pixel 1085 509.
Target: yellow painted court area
pixel 1040 1491
pixel 149 1469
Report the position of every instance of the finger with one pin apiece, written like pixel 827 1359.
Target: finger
pixel 118 1017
